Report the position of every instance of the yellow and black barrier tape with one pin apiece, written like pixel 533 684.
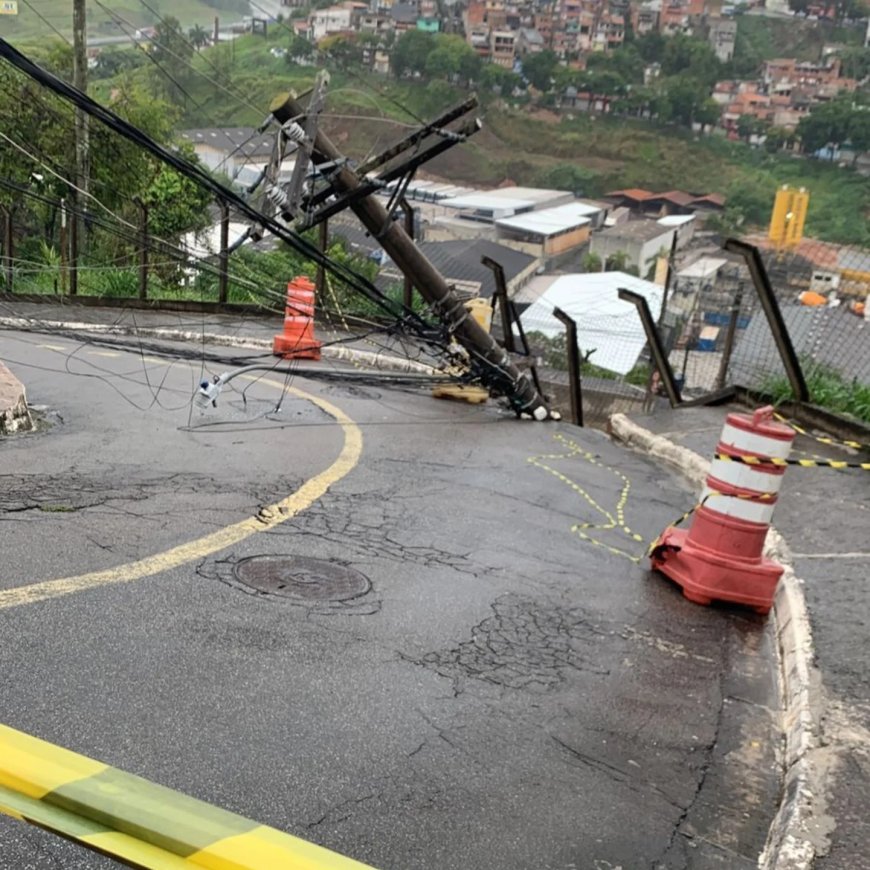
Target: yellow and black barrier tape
pixel 755 496
pixel 855 445
pixel 142 824
pixel 803 463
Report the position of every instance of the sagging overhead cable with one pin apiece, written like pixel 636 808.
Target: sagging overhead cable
pixel 198 175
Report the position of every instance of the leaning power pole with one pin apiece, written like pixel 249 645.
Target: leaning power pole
pixel 80 82
pixel 490 361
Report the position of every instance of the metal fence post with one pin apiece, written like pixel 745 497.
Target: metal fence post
pixel 573 365
pixel 728 348
pixel 660 358
pixel 408 287
pixel 770 306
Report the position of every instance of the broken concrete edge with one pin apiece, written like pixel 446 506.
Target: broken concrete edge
pixel 791 841
pixel 14 413
pixel 379 361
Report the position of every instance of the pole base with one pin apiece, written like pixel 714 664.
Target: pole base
pixel 461 392
pixel 705 576
pixel 293 347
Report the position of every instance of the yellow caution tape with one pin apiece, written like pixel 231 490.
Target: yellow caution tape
pixel 803 463
pixel 756 496
pixel 614 519
pixel 855 445
pixel 143 824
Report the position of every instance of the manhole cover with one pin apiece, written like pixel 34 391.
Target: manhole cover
pixel 301 577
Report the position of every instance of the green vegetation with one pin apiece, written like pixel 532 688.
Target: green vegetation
pixel 586 154
pixel 126 15
pixel 827 388
pixel 761 38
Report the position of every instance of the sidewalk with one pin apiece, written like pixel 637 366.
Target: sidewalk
pixel 824 515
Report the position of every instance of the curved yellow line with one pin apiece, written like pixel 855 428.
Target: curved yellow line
pixel 268 518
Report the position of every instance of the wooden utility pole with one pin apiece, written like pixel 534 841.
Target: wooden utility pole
pixel 64 246
pixel 8 252
pixel 80 82
pixel 497 370
pixel 144 243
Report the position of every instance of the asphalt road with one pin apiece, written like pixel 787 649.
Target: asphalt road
pixel 509 688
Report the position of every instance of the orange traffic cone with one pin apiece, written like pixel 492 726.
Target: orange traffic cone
pixel 297 341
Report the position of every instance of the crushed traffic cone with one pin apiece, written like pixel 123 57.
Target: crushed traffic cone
pixel 720 557
pixel 297 341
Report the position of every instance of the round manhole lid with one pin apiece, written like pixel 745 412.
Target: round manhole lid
pixel 301 577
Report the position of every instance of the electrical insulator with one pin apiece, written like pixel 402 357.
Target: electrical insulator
pixel 278 197
pixel 294 132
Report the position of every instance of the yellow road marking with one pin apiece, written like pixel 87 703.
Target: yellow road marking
pixel 52 347
pixel 102 353
pixel 269 517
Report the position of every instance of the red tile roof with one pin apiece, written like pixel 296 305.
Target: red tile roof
pixel 632 193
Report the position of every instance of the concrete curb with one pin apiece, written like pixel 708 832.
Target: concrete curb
pixel 14 414
pixel 797 831
pixel 342 353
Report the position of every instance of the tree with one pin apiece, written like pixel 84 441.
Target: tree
pixel 172 54
pixel 538 68
pixel 828 125
pixel 198 37
pixel 452 58
pixel 855 63
pixel 685 99
pixel 692 57
pixel 625 61
pixel 617 262
pixel 343 49
pixel 859 130
pixel 749 125
pixel 776 139
pixel 410 53
pixel 300 49
pixel 175 205
pixel 590 262
pixel 497 79
pixel 112 61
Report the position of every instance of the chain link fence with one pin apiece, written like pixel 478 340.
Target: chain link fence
pixel 614 371
pixel 724 337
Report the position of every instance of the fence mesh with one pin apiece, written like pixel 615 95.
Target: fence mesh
pixel 822 292
pixel 614 371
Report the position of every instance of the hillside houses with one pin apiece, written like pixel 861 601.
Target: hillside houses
pixel 784 92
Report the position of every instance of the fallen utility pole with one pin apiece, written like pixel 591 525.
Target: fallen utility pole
pixel 490 361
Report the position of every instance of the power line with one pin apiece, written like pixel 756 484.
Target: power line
pixel 240 97
pixel 408 318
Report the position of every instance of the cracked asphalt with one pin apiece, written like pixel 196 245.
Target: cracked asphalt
pixel 508 693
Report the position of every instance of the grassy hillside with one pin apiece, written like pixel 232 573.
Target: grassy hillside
pixel 58 16
pixel 593 155
pixel 768 38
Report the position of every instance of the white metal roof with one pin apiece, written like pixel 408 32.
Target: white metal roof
pixel 604 322
pixel 675 220
pixel 705 267
pixel 550 221
pixel 488 201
